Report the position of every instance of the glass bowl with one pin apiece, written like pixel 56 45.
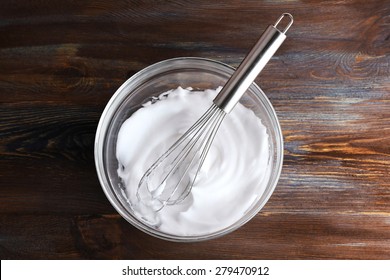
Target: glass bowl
pixel 200 74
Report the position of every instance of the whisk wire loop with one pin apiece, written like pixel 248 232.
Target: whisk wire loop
pixel 197 138
pixel 174 146
pixel 209 132
pixel 198 131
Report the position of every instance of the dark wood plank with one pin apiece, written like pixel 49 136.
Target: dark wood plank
pixel 60 62
pixel 339 236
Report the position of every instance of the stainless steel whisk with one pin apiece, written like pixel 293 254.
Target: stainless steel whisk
pixel 179 166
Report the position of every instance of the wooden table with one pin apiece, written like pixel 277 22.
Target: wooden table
pixel 60 62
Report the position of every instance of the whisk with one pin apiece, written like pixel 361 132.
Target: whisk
pixel 171 177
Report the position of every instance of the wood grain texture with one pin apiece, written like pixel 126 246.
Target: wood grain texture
pixel 60 62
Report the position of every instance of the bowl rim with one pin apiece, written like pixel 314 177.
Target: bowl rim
pixel 103 177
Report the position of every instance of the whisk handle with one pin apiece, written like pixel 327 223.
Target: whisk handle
pixel 252 65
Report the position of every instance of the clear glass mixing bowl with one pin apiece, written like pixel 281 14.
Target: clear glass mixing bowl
pixel 200 74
